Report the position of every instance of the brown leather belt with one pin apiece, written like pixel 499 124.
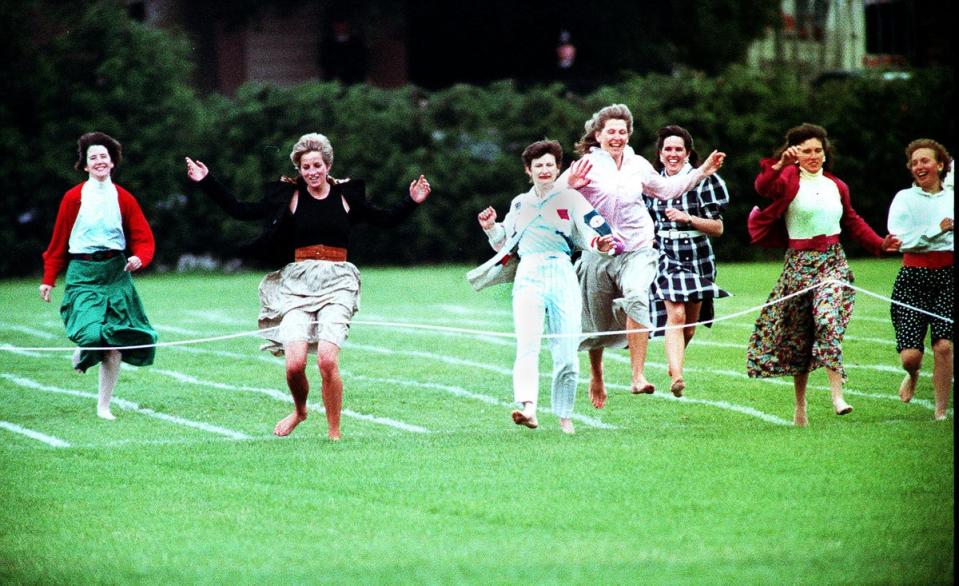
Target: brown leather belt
pixel 320 252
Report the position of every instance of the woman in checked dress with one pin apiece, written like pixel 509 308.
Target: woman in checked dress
pixel 685 287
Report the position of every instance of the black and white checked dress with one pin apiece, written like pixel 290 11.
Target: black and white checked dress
pixel 687 266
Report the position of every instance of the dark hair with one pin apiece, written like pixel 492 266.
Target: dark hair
pixel 802 133
pixel 97 139
pixel 942 155
pixel 673 130
pixel 540 148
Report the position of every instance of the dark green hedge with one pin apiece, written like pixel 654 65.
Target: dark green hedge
pixel 133 82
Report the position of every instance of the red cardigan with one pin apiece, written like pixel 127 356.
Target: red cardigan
pixel 767 226
pixel 135 228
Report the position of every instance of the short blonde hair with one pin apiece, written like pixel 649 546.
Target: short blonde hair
pixel 312 142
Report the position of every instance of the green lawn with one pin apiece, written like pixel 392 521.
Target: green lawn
pixel 433 482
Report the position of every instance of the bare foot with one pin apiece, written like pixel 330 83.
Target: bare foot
pixel 643 387
pixel 940 416
pixel 842 407
pixel 105 414
pixel 677 387
pixel 520 418
pixel 567 426
pixel 907 389
pixel 597 393
pixel 800 419
pixel 334 436
pixel 286 425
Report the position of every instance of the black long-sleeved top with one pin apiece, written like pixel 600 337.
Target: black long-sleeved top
pixel 279 240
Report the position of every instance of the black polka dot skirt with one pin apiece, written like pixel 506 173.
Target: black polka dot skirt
pixel 926 289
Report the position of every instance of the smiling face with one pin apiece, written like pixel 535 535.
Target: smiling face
pixel 811 155
pixel 543 170
pixel 673 155
pixel 613 137
pixel 313 169
pixel 98 163
pixel 925 169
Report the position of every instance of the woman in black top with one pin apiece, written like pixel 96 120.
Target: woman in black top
pixel 307 305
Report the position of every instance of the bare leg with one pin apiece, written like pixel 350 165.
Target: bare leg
pixel 597 386
pixel 638 342
pixel 942 375
pixel 799 383
pixel 109 372
pixel 835 385
pixel 566 425
pixel 911 362
pixel 299 387
pixel 675 345
pixel 328 359
pixel 692 316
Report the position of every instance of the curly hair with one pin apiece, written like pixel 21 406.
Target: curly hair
pixel 598 121
pixel 540 148
pixel 97 139
pixel 942 155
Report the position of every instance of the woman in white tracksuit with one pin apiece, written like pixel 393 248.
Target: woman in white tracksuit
pixel 544 225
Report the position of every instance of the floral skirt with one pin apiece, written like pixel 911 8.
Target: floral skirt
pixel 803 332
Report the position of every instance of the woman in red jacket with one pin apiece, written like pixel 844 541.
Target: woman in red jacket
pixel 810 208
pixel 97 222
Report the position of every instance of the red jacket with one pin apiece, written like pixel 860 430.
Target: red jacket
pixel 135 228
pixel 767 226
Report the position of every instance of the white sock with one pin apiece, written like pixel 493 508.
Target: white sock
pixel 109 372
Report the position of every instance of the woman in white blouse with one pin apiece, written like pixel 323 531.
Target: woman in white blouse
pixel 922 216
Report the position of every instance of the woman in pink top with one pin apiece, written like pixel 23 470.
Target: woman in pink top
pixel 810 208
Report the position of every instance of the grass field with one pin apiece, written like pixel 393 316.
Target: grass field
pixel 433 482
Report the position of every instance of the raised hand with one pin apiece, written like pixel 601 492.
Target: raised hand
pixel 487 218
pixel 578 172
pixel 790 156
pixel 196 170
pixel 713 162
pixel 419 189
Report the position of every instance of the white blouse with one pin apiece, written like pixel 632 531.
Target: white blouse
pixel 817 208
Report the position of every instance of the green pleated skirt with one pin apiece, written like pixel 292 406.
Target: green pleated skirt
pixel 101 308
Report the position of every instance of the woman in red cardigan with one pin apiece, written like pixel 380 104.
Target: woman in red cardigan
pixel 810 208
pixel 97 221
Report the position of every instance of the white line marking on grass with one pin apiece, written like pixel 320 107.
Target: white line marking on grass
pixel 787 382
pixel 128 406
pixel 27 330
pixel 286 398
pixel 15 350
pixel 720 404
pixel 175 330
pixel 430 356
pixel 42 437
pixel 461 392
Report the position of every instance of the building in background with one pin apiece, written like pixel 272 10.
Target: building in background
pixel 821 38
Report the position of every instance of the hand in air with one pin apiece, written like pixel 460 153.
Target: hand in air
pixel 578 172
pixel 196 170
pixel 419 189
pixel 713 162
pixel 487 218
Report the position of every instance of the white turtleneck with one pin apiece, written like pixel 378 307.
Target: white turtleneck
pixel 817 208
